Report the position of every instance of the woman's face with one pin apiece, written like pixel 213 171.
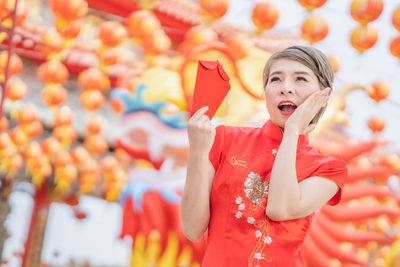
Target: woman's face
pixel 288 86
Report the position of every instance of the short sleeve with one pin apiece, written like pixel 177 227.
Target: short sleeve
pixel 215 154
pixel 336 171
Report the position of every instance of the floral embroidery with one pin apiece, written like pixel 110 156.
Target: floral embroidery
pixel 256 189
pixel 238 214
pixel 258 233
pixel 238 200
pixel 241 206
pixel 258 256
pixel 251 220
pixel 267 240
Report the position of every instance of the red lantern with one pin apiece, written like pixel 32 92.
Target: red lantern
pixel 64 116
pixel 4 124
pixel 365 11
pixel 264 15
pixel 395 47
pixel 109 163
pixel 65 134
pixel 53 72
pixel 216 8
pixel 110 57
pixel 34 129
pixel 311 4
pixel 53 42
pixel 69 9
pixel 239 44
pixel 396 18
pixel 79 155
pixel 16 89
pixel 61 159
pixel 54 94
pixel 380 90
pixel 18 136
pixel 15 65
pixel 91 100
pixel 96 144
pixel 111 33
pixel 27 114
pixel 69 29
pixel 158 43
pixel 94 125
pixel 117 105
pixel 50 145
pixel 141 24
pixel 376 124
pixel 196 36
pixel 314 29
pixel 93 79
pixel 363 37
pixel 334 63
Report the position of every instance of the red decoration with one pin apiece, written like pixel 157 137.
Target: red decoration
pixel 54 94
pixel 94 125
pixel 158 43
pixel 334 63
pixel 314 29
pixel 4 124
pixel 16 89
pixel 376 124
pixel 311 4
pixel 380 91
pixel 69 9
pixel 96 144
pixel 363 38
pixel 64 116
pixel 396 18
pixel 91 100
pixel 34 129
pixel 196 36
pixel 216 8
pixel 53 42
pixel 15 64
pixel 365 11
pixel 93 79
pixel 112 33
pixel 53 72
pixel 395 47
pixel 69 29
pixel 141 24
pixel 264 15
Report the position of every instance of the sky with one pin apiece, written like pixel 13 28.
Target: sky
pixel 96 238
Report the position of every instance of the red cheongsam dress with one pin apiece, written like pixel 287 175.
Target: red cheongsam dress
pixel 239 232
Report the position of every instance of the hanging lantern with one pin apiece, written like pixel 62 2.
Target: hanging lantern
pixel 159 43
pixel 94 125
pixel 69 10
pixel 27 115
pixel 4 124
pixel 53 72
pixel 380 90
pixel 89 176
pixel 264 15
pixel 334 63
pixel 18 136
pixel 310 5
pixel 396 18
pixel 363 38
pixel 65 176
pixel 196 36
pixel 215 8
pixel 93 79
pixel 61 159
pixel 34 129
pixel 53 42
pixel 365 11
pixel 117 105
pixel 96 145
pixel 7 6
pixel 395 47
pixel 69 29
pixel 314 29
pixel 64 116
pixel 54 94
pixel 141 24
pixel 65 134
pixel 15 65
pixel 376 124
pixel 240 45
pixel 114 183
pixel 16 89
pixel 111 33
pixel 91 100
pixel 50 145
pixel 108 164
pixel 79 155
pixel 110 57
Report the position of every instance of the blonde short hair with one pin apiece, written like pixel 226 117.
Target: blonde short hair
pixel 310 57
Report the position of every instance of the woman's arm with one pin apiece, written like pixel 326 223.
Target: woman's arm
pixel 195 205
pixel 288 199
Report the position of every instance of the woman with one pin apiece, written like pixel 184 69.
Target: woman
pixel 255 189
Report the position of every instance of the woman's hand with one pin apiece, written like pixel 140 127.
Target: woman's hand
pixel 300 120
pixel 200 131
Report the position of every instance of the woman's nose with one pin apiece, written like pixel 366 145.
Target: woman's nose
pixel 286 90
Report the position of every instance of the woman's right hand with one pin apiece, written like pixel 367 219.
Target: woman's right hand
pixel 200 131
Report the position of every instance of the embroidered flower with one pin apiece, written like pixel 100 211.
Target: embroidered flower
pixel 238 215
pixel 241 206
pixel 258 256
pixel 267 240
pixel 256 189
pixel 238 200
pixel 251 220
pixel 258 233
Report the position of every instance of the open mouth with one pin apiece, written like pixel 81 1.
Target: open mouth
pixel 287 106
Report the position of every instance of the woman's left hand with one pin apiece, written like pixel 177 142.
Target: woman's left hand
pixel 300 120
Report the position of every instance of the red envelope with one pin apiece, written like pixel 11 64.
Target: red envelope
pixel 211 87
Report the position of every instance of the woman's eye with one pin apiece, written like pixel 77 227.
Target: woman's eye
pixel 274 79
pixel 301 79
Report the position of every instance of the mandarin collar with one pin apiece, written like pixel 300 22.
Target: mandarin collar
pixel 276 133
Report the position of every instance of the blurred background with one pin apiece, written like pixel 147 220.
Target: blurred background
pixel 94 102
